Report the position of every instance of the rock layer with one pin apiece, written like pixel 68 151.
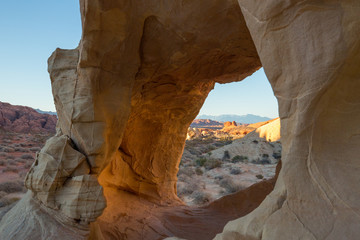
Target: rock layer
pixel 127 95
pixel 310 52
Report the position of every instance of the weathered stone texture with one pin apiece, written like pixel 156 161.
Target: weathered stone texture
pixel 127 95
pixel 310 51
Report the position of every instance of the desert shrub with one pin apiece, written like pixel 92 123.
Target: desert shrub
pixel 2 162
pixel 193 151
pixel 35 149
pixel 229 185
pixel 11 187
pixel 10 157
pixel 235 171
pixel 2 194
pixel 27 165
pixel 7 201
pixel 200 161
pixel 186 188
pixel 241 158
pixel 2 154
pixel 20 160
pixel 20 149
pixel 11 169
pixel 198 171
pixel 219 177
pixel 259 176
pixel 264 161
pixel 11 162
pixel 8 149
pixel 212 163
pixel 226 155
pixel 226 140
pixel 188 171
pixel 200 197
pixel 277 155
pixel 27 156
pixel 208 149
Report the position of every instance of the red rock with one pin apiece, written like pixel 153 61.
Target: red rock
pixel 22 119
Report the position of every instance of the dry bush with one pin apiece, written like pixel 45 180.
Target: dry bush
pixel 10 157
pixel 11 169
pixel 186 188
pixel 259 176
pixel 2 194
pixel 12 187
pixel 198 171
pixel 241 158
pixel 200 197
pixel 188 171
pixel 229 185
pixel 27 156
pixel 212 163
pixel 7 201
pixel 20 149
pixel 235 171
pixel 20 160
pixel 8 149
pixel 35 149
pixel 28 165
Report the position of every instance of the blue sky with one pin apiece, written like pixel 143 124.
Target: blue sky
pixel 31 30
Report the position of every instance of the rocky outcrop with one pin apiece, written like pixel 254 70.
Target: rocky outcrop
pixel 20 119
pixel 125 99
pixel 310 52
pixel 230 124
pixel 127 95
pixel 206 123
pixel 269 132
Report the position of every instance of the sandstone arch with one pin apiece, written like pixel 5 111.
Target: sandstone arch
pixel 127 94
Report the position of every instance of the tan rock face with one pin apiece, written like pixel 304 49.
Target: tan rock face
pixel 309 51
pixel 127 95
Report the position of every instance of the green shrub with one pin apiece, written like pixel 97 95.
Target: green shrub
pixel 235 171
pixel 200 161
pixel 212 163
pixel 198 171
pixel 241 158
pixel 259 176
pixel 226 155
pixel 230 186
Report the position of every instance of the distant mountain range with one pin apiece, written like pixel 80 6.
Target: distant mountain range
pixel 248 118
pixel 45 112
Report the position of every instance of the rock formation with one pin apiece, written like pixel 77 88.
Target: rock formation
pixel 127 95
pixel 230 124
pixel 310 52
pixel 21 119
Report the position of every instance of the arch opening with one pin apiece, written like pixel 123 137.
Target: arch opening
pixel 231 144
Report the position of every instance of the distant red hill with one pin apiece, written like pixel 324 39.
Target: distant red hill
pixel 22 119
pixel 207 123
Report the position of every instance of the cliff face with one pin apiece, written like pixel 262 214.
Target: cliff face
pixel 127 95
pixel 21 119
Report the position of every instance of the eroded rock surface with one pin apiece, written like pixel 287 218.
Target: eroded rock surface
pixel 127 95
pixel 20 119
pixel 310 52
